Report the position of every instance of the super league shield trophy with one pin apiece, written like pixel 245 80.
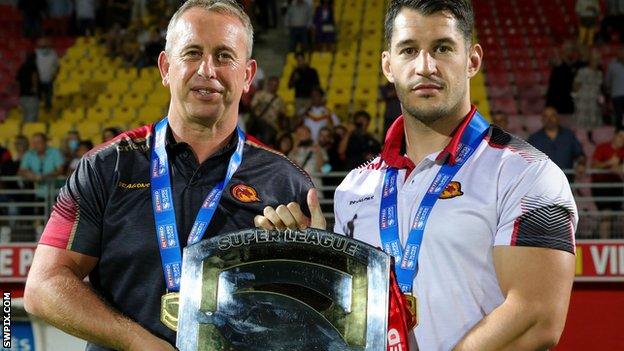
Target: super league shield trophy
pixel 283 290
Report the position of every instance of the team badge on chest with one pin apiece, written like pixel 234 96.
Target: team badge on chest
pixel 244 193
pixel 452 190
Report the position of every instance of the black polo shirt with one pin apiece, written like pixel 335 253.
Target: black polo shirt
pixel 105 210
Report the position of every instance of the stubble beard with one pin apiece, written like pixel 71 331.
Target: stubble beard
pixel 429 114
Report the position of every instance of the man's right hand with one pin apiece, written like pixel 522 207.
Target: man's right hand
pixel 291 216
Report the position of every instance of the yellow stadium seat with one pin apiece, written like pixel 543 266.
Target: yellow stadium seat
pixel 98 114
pixel 366 94
pixel 91 62
pixel 89 129
pixel 133 99
pixel 15 114
pixel 159 97
pixel 82 99
pixel 81 74
pixel 290 59
pixel 73 115
pixel 343 77
pixel 75 52
pixel 151 74
pixel 83 41
pixel 31 128
pixel 338 96
pixel 287 94
pixel 320 59
pixel 59 129
pixel 117 86
pixel 123 114
pixel 103 74
pixel 61 101
pixel 108 100
pixel 96 51
pixel 67 87
pixel 127 74
pixel 10 128
pixel 150 113
pixel 142 86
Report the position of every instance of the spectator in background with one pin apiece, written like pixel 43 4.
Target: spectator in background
pixel 308 155
pixel 612 26
pixel 83 147
pixel 10 168
pixel 298 20
pixel 41 163
pixel 358 145
pixel 60 11
pixel 608 156
pixel 20 146
pixel 500 119
pixel 562 75
pixel 614 82
pixel 109 133
pixel 47 67
pixel 70 144
pixel 557 142
pixel 153 46
pixel 587 85
pixel 32 15
pixel 28 80
pixel 317 115
pixel 267 13
pixel 267 108
pixel 130 48
pixel 587 12
pixel 324 26
pixel 85 17
pixel 328 142
pixel 5 161
pixel 285 143
pixel 139 10
pixel 303 79
pixel 114 39
pixel 388 94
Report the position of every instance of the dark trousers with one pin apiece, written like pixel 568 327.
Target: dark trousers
pixel 45 93
pixel 298 35
pixel 618 110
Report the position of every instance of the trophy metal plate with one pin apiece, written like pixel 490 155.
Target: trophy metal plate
pixel 276 290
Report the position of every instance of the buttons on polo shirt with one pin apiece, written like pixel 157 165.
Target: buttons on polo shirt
pixel 186 154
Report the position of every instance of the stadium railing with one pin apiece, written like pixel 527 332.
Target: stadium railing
pixel 23 214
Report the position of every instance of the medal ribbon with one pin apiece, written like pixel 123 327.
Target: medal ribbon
pixel 164 213
pixel 406 259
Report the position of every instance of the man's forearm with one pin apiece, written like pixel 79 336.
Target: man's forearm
pixel 64 301
pixel 510 327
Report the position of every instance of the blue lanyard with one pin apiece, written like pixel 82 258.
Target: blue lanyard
pixel 164 213
pixel 406 259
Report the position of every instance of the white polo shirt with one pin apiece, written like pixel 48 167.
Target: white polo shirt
pixel 507 193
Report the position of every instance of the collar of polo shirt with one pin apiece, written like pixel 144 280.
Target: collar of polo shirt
pixel 392 155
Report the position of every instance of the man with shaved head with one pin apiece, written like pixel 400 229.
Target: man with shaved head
pixel 135 201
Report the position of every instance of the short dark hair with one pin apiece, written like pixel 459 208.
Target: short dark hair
pixel 460 9
pixel 362 113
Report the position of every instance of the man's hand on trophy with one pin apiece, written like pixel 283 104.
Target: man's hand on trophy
pixel 291 216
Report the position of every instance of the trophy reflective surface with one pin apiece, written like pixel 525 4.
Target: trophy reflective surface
pixel 283 290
